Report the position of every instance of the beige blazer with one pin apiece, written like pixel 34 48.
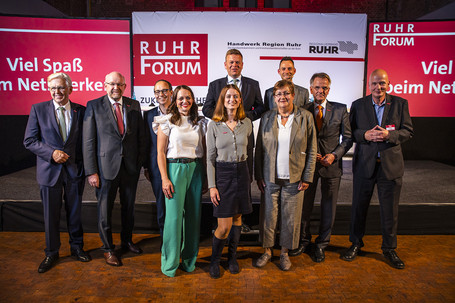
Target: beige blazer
pixel 302 147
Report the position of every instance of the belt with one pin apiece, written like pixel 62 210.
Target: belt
pixel 181 160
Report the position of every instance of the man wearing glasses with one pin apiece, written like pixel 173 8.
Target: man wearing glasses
pixel 286 70
pixel 54 134
pixel 163 94
pixel 331 121
pixel 114 150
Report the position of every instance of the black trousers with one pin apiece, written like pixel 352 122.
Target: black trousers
pixel 126 184
pixel 329 197
pixel 52 197
pixel 389 196
pixel 155 179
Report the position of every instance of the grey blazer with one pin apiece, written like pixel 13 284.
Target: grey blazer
pixel 336 123
pixel 103 147
pixel 301 97
pixel 302 147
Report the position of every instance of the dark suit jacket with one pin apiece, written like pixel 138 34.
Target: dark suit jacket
pixel 150 161
pixel 363 118
pixel 251 96
pixel 103 147
pixel 42 137
pixel 301 98
pixel 335 124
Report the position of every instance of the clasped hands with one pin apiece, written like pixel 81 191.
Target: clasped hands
pixel 377 134
pixel 327 160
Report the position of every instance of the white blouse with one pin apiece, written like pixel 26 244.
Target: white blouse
pixel 185 140
pixel 284 138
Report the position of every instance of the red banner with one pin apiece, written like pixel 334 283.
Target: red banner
pixel 419 59
pixel 34 48
pixel 178 58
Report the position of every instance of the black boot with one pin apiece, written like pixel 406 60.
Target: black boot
pixel 217 249
pixel 234 237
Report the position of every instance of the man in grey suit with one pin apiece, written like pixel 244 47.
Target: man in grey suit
pixel 114 150
pixel 380 123
pixel 331 121
pixel 287 70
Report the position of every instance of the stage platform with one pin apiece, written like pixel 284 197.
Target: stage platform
pixel 427 204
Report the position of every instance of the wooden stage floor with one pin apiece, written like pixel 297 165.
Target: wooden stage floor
pixel 429 275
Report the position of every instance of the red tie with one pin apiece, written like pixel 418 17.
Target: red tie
pixel 118 114
pixel 319 118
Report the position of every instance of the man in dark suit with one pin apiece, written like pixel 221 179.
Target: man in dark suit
pixel 251 98
pixel 251 94
pixel 286 70
pixel 163 94
pixel 114 150
pixel 379 123
pixel 54 135
pixel 332 121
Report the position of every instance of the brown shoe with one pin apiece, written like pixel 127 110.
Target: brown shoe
pixel 111 259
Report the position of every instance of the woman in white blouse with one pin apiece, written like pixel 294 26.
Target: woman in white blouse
pixel 180 146
pixel 228 175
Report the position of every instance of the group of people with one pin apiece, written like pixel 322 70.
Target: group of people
pixel 184 155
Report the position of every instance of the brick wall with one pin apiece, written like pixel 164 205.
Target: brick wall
pixel 375 9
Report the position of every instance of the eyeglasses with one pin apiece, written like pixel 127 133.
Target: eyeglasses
pixel 164 91
pixel 114 84
pixel 284 94
pixel 60 88
pixel 324 88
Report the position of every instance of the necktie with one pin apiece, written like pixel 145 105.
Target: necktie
pixel 119 117
pixel 235 82
pixel 62 122
pixel 319 119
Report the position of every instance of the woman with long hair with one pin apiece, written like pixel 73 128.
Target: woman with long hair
pixel 228 175
pixel 181 147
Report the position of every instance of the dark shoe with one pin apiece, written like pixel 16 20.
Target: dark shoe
pixel 111 259
pixel 47 263
pixel 298 251
pixel 234 237
pixel 217 249
pixel 81 255
pixel 351 253
pixel 245 228
pixel 263 260
pixel 132 248
pixel 285 262
pixel 393 259
pixel 319 255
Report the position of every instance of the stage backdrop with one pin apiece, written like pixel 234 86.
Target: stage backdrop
pixel 419 58
pixel 189 48
pixel 33 48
